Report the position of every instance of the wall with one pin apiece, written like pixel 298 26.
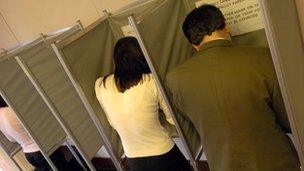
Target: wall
pixel 22 21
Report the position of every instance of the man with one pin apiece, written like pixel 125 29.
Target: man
pixel 11 127
pixel 231 95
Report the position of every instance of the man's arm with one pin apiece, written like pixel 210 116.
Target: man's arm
pixel 276 102
pixel 171 86
pixel 279 107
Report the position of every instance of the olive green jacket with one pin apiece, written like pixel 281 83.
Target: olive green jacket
pixel 231 95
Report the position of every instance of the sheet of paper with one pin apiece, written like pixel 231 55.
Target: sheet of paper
pixel 128 31
pixel 242 16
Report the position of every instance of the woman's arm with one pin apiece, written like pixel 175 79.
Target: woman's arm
pixel 98 85
pixel 162 104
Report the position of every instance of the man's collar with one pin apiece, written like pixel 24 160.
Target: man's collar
pixel 216 43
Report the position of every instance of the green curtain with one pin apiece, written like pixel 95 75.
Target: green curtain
pixel 90 57
pixel 29 105
pixel 164 39
pixel 47 69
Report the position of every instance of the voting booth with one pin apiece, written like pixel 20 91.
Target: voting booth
pixel 39 94
pixel 34 114
pixel 52 80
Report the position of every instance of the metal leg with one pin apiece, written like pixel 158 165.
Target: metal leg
pixel 15 163
pixel 162 91
pixel 53 109
pixel 12 158
pixel 74 153
pixel 28 130
pixel 199 153
pixel 89 108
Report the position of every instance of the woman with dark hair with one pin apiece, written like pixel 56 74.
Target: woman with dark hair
pixel 132 101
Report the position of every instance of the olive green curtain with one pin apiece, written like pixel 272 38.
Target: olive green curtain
pixel 90 56
pixel 29 106
pixel 48 71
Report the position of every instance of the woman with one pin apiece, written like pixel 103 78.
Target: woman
pixel 131 101
pixel 14 131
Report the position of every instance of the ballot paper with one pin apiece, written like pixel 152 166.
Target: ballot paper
pixel 128 31
pixel 242 16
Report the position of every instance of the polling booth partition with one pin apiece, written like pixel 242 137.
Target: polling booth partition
pixel 85 57
pixel 167 47
pixel 44 70
pixel 65 118
pixel 30 108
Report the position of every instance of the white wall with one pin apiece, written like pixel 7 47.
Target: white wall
pixel 7 38
pixel 22 21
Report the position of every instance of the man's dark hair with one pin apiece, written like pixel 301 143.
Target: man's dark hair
pixel 130 64
pixel 2 102
pixel 203 21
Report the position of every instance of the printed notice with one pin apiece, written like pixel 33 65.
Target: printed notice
pixel 128 31
pixel 242 16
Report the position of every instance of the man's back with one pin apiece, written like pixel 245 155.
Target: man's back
pixel 231 95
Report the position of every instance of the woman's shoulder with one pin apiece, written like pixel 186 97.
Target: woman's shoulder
pixel 148 78
pixel 150 81
pixel 104 80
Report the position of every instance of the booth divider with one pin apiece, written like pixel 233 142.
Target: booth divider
pixel 89 51
pixel 51 81
pixel 168 48
pixel 55 113
pixel 29 50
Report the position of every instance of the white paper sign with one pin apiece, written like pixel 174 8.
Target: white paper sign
pixel 128 31
pixel 242 16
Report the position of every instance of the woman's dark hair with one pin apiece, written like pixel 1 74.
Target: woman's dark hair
pixel 129 64
pixel 203 21
pixel 2 102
